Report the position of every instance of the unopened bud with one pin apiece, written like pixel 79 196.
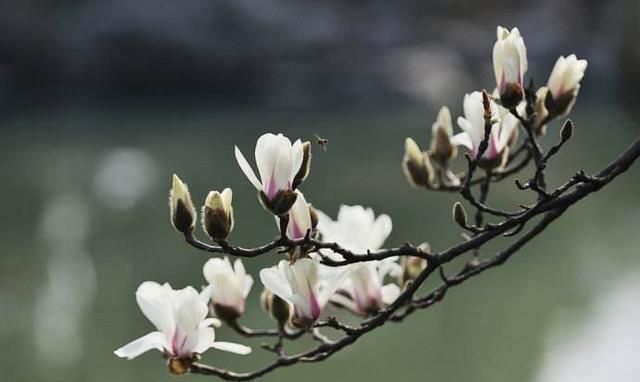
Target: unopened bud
pixel 459 214
pixel 275 307
pixel 416 165
pixel 217 214
pixel 442 149
pixel 183 214
pixel 412 266
pixel 566 131
pixel 281 202
pixel 304 167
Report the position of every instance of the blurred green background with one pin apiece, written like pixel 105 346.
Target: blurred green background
pixel 102 101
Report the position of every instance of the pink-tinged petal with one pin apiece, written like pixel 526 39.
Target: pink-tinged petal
pixel 154 340
pixel 231 347
pixel 282 170
pixel 246 169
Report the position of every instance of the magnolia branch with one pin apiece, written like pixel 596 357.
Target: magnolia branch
pixel 294 296
pixel 551 209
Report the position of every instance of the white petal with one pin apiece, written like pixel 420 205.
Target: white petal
pixel 238 268
pixel 190 313
pixel 204 339
pixel 379 231
pixel 332 285
pixel 462 139
pixel 153 301
pixel 154 340
pixel 276 283
pixel 267 149
pixel 297 156
pixel 211 321
pixel 390 293
pixel 282 170
pixel 345 301
pixel 232 347
pixel 248 283
pixel 246 168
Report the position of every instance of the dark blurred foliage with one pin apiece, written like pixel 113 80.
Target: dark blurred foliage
pixel 301 53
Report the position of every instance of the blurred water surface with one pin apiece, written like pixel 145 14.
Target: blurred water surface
pixel 86 221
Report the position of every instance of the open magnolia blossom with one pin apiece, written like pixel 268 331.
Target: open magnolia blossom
pixel 472 125
pixel 281 165
pixel 183 329
pixel 228 287
pixel 300 285
pixel 509 65
pixel 357 229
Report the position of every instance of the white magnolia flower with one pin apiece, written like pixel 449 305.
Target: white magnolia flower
pixel 299 218
pixel 509 65
pixel 564 83
pixel 229 286
pixel 358 230
pixel 279 164
pixel 472 125
pixel 183 331
pixel 299 285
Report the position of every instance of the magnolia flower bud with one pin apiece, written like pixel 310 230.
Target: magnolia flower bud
pixel 275 307
pixel 305 166
pixel 412 266
pixel 217 214
pixel 566 132
pixel 459 214
pixel 183 214
pixel 442 149
pixel 540 110
pixel 510 65
pixel 564 84
pixel 416 165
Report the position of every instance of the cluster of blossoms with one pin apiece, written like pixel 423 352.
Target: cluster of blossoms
pixel 299 287
pixel 296 290
pixel 510 97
